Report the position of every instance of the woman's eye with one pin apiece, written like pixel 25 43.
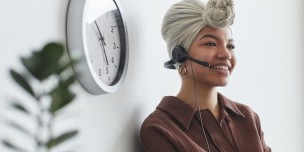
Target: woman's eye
pixel 231 47
pixel 210 44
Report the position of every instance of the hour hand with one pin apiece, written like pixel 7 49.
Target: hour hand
pixel 101 38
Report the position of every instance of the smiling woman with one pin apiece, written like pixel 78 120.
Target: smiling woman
pixel 199 118
pixel 214 45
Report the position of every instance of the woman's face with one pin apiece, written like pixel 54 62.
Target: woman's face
pixel 215 46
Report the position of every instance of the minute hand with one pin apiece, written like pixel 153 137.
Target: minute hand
pixel 102 43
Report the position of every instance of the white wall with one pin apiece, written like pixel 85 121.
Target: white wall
pixel 268 77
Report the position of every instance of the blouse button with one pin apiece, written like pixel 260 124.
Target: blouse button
pixel 228 120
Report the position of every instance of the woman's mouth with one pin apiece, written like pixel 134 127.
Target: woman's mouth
pixel 221 69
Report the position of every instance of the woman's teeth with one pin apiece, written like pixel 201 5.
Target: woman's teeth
pixel 220 67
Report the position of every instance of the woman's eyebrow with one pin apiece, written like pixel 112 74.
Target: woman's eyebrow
pixel 209 36
pixel 231 40
pixel 214 37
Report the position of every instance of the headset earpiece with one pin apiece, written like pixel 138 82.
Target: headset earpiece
pixel 178 54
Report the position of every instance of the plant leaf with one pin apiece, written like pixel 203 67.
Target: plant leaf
pixel 43 63
pixel 18 127
pixel 11 145
pixel 68 81
pixel 20 107
pixel 52 52
pixel 22 82
pixel 61 96
pixel 61 138
pixel 61 68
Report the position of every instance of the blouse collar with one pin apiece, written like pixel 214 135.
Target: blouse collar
pixel 184 113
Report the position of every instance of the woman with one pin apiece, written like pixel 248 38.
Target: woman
pixel 198 118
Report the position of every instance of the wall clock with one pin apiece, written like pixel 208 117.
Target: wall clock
pixel 97 40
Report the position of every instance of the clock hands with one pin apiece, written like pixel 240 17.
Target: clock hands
pixel 102 44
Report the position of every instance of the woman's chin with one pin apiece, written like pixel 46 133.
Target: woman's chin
pixel 223 83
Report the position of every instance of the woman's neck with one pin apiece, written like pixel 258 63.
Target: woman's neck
pixel 206 96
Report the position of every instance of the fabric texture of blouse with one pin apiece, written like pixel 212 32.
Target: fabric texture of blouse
pixel 175 127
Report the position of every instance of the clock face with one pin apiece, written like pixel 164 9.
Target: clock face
pixel 104 49
pixel 97 40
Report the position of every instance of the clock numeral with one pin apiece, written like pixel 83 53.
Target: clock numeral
pixel 114 45
pixel 107 70
pixel 112 28
pixel 99 72
pixel 112 60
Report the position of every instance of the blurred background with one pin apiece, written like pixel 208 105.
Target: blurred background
pixel 269 75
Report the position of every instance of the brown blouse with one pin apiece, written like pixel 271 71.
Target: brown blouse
pixel 175 127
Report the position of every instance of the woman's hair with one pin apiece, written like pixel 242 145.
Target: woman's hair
pixel 185 19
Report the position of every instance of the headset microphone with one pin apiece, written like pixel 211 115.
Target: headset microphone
pixel 179 55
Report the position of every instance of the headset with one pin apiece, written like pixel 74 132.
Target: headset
pixel 179 55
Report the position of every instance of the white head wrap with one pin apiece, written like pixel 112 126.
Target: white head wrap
pixel 184 20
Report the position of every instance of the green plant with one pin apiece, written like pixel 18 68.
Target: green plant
pixel 42 66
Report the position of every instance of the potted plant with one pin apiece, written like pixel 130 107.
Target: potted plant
pixel 47 78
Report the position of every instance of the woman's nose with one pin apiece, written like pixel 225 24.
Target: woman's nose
pixel 224 53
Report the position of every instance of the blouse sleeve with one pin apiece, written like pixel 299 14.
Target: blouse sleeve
pixel 265 147
pixel 155 141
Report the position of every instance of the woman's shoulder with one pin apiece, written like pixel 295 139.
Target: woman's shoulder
pixel 170 111
pixel 245 109
pixel 235 105
pixel 248 113
pixel 240 108
pixel 158 124
pixel 241 113
pixel 157 119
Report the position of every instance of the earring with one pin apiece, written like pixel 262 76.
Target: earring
pixel 182 69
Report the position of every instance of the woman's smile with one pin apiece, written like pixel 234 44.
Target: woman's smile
pixel 223 69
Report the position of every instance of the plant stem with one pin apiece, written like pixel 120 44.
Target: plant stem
pixel 50 128
pixel 40 126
